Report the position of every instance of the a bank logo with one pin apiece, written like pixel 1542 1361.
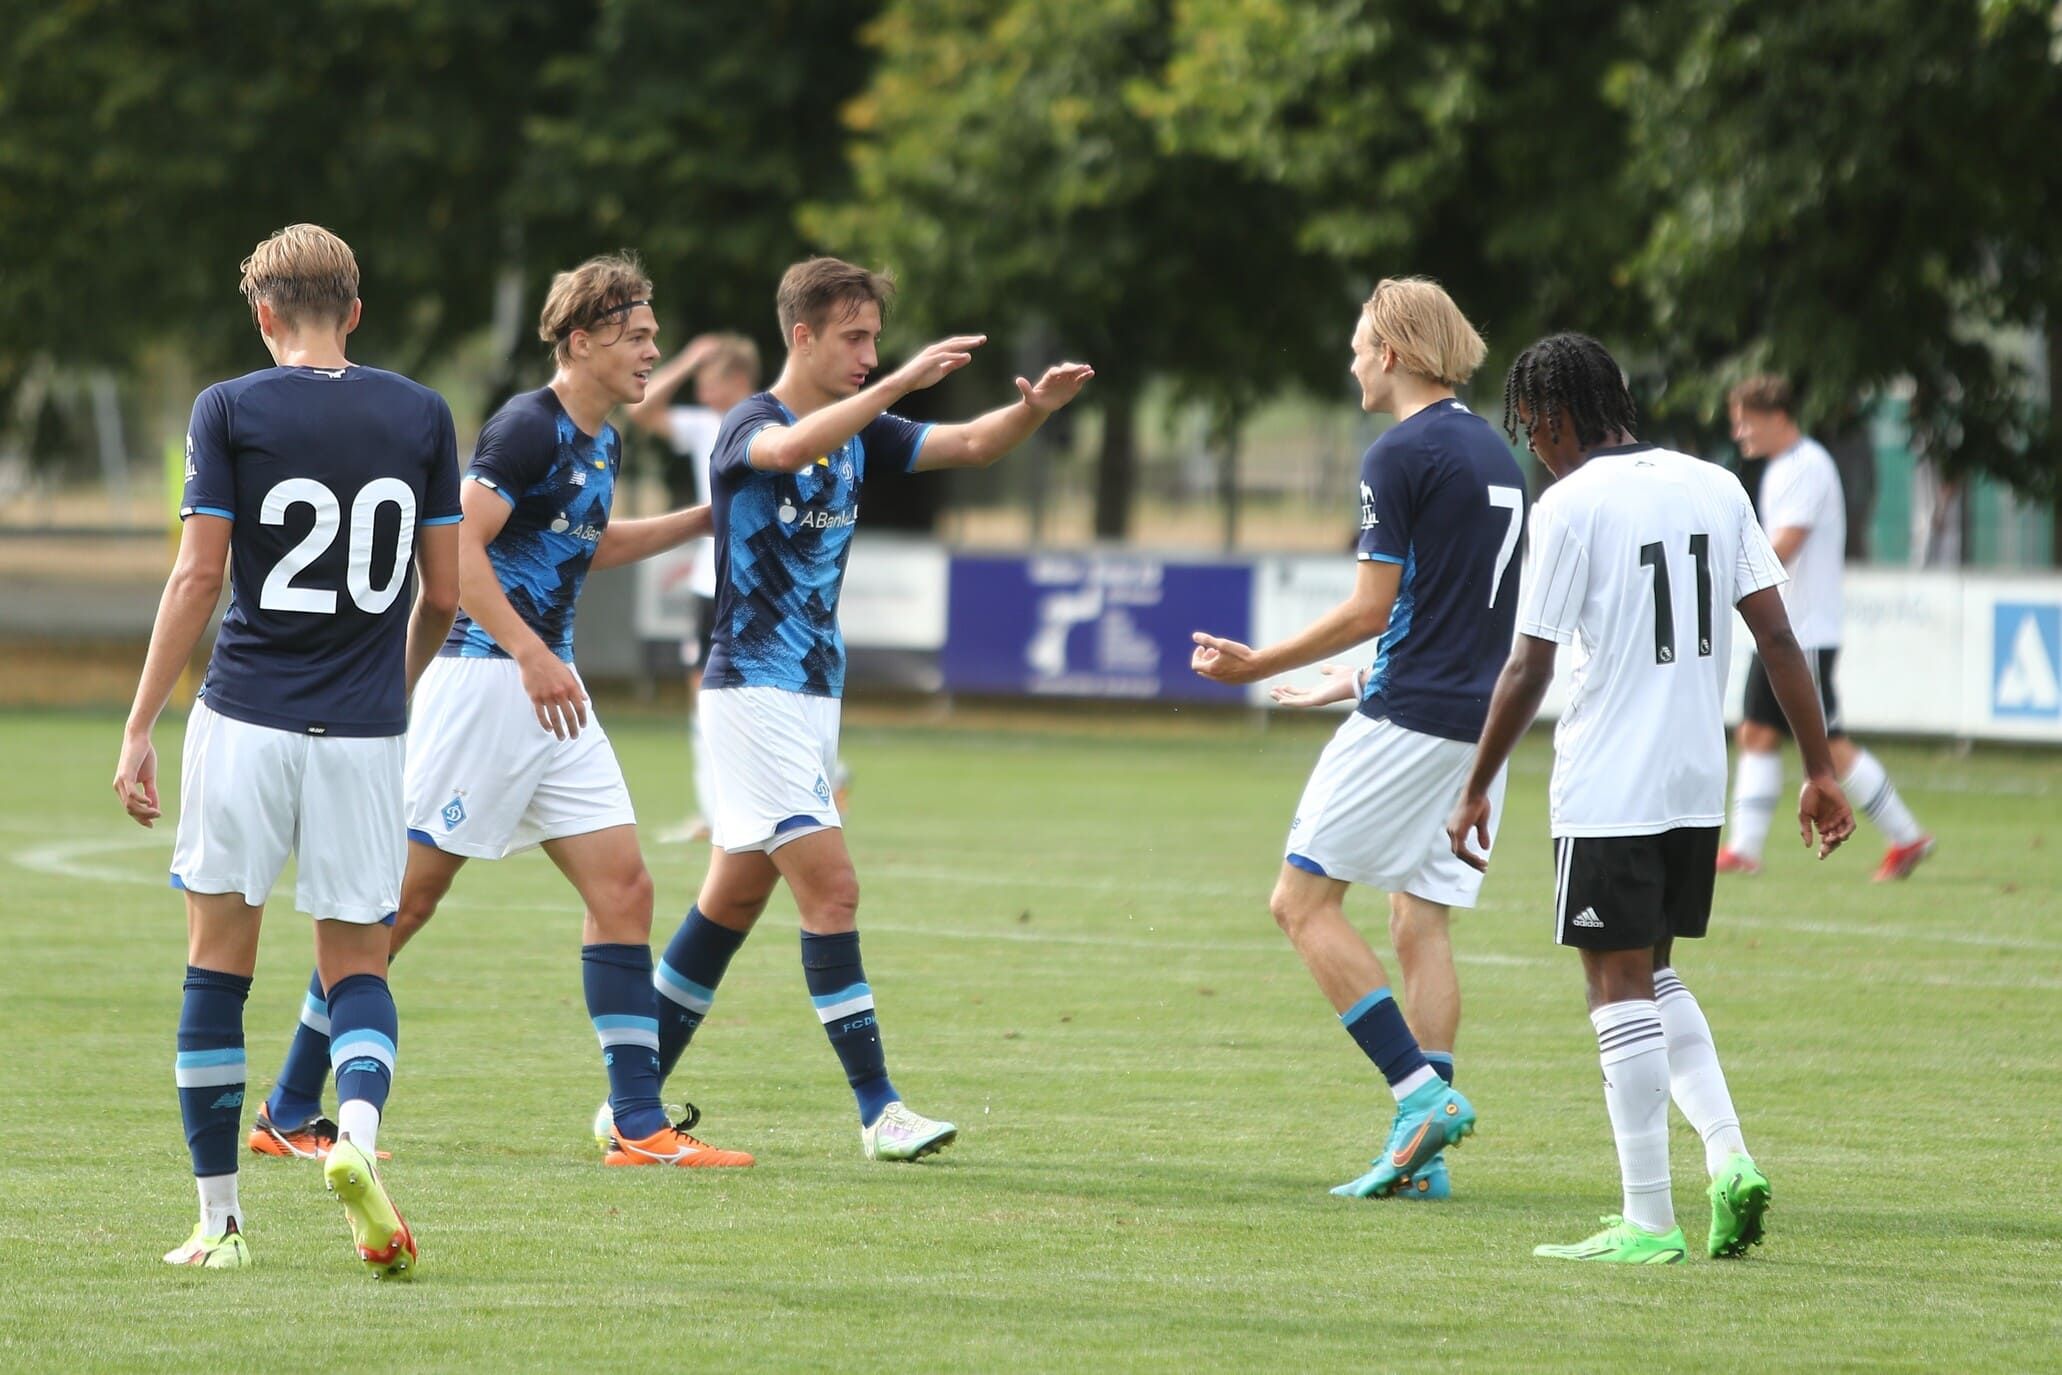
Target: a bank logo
pixel 2026 661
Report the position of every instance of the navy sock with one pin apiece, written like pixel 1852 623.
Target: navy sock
pixel 1441 1062
pixel 624 1008
pixel 837 985
pixel 686 980
pixel 363 1033
pixel 209 1068
pixel 297 1094
pixel 1376 1025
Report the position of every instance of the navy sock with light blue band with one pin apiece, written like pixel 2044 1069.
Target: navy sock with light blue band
pixel 297 1094
pixel 686 978
pixel 624 1008
pixel 1376 1025
pixel 844 1003
pixel 1441 1062
pixel 209 1067
pixel 363 1035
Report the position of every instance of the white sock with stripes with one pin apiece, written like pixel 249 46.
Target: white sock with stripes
pixel 1634 1053
pixel 1757 782
pixel 1868 787
pixel 1694 1077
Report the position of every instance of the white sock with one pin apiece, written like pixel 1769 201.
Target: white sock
pixel 218 1205
pixel 1412 1082
pixel 1757 782
pixel 1634 1053
pixel 359 1120
pixel 1869 788
pixel 1695 1079
pixel 704 770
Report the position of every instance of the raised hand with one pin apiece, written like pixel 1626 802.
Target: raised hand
pixel 1061 383
pixel 1336 683
pixel 937 362
pixel 1822 806
pixel 1225 661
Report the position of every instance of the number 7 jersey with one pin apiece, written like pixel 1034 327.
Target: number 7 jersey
pixel 1637 559
pixel 326 475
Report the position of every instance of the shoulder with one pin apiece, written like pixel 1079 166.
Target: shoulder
pixel 523 415
pixel 749 416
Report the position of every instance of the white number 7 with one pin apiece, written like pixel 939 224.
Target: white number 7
pixel 1510 499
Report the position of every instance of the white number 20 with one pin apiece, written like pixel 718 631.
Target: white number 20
pixel 1509 499
pixel 280 592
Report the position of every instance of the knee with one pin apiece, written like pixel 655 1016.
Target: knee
pixel 1291 912
pixel 836 907
pixel 414 913
pixel 628 896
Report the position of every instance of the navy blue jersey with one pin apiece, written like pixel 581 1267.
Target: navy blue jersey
pixel 1441 495
pixel 325 474
pixel 782 540
pixel 560 482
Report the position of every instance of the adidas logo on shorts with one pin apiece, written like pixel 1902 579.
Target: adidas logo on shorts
pixel 1587 917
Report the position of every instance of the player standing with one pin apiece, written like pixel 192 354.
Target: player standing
pixel 505 754
pixel 1442 504
pixel 1805 514
pixel 318 480
pixel 787 474
pixel 1638 554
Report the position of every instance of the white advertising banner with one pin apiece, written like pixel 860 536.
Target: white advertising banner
pixel 894 595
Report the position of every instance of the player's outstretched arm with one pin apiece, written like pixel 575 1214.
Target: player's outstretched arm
pixel 791 448
pixel 1821 806
pixel 980 441
pixel 436 597
pixel 189 599
pixel 1335 683
pixel 554 689
pixel 627 541
pixel 1361 616
pixel 1520 688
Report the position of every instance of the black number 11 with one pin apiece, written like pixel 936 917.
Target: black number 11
pixel 1655 557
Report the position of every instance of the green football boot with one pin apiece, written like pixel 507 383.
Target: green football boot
pixel 1623 1243
pixel 227 1250
pixel 1739 1201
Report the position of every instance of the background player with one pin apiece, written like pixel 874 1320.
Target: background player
pixel 318 479
pixel 787 475
pixel 1805 515
pixel 504 754
pixel 1442 504
pixel 1632 551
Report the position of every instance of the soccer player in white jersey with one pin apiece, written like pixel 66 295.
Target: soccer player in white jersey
pixel 1638 556
pixel 1441 506
pixel 787 474
pixel 1805 515
pixel 504 754
pixel 321 482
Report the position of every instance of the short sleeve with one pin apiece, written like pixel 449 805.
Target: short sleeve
pixel 1793 495
pixel 1757 566
pixel 1556 580
pixel 210 473
pixel 1388 504
pixel 892 443
pixel 440 492
pixel 516 451
pixel 733 451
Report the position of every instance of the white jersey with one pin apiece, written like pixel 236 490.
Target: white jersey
pixel 1637 558
pixel 1801 490
pixel 693 431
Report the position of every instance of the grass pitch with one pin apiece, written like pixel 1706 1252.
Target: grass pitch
pixel 1068 935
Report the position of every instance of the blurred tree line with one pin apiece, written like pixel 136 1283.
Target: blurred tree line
pixel 1193 192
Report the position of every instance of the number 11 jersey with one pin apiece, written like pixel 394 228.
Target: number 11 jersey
pixel 326 474
pixel 1637 558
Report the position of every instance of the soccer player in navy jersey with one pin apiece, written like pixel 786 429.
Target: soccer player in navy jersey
pixel 318 480
pixel 504 753
pixel 1442 506
pixel 788 469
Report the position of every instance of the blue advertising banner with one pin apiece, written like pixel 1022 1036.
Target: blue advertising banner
pixel 1090 624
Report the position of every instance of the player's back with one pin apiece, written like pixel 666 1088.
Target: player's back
pixel 326 473
pixel 1641 553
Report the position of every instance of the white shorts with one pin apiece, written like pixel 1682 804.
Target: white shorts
pixel 1375 809
pixel 485 780
pixel 775 753
pixel 250 795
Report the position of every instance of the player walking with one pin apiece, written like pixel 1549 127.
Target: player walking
pixel 1442 504
pixel 505 754
pixel 1806 518
pixel 788 469
pixel 318 479
pixel 1638 554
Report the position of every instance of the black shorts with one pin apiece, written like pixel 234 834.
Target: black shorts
pixel 1632 892
pixel 695 652
pixel 1761 706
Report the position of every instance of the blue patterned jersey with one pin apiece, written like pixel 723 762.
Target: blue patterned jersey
pixel 782 540
pixel 559 482
pixel 325 474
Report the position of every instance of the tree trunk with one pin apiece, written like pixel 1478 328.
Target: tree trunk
pixel 1116 467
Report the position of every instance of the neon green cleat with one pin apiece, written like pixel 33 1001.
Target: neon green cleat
pixel 383 1240
pixel 1739 1200
pixel 1623 1243
pixel 225 1251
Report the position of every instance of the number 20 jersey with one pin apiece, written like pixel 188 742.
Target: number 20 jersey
pixel 326 474
pixel 1637 560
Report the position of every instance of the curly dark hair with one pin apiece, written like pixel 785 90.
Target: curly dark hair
pixel 1571 379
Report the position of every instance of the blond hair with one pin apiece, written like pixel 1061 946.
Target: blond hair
pixel 1415 317
pixel 1766 393
pixel 601 289
pixel 733 353
pixel 810 290
pixel 303 272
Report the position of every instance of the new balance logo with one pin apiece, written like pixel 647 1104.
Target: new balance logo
pixel 231 1099
pixel 1587 917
